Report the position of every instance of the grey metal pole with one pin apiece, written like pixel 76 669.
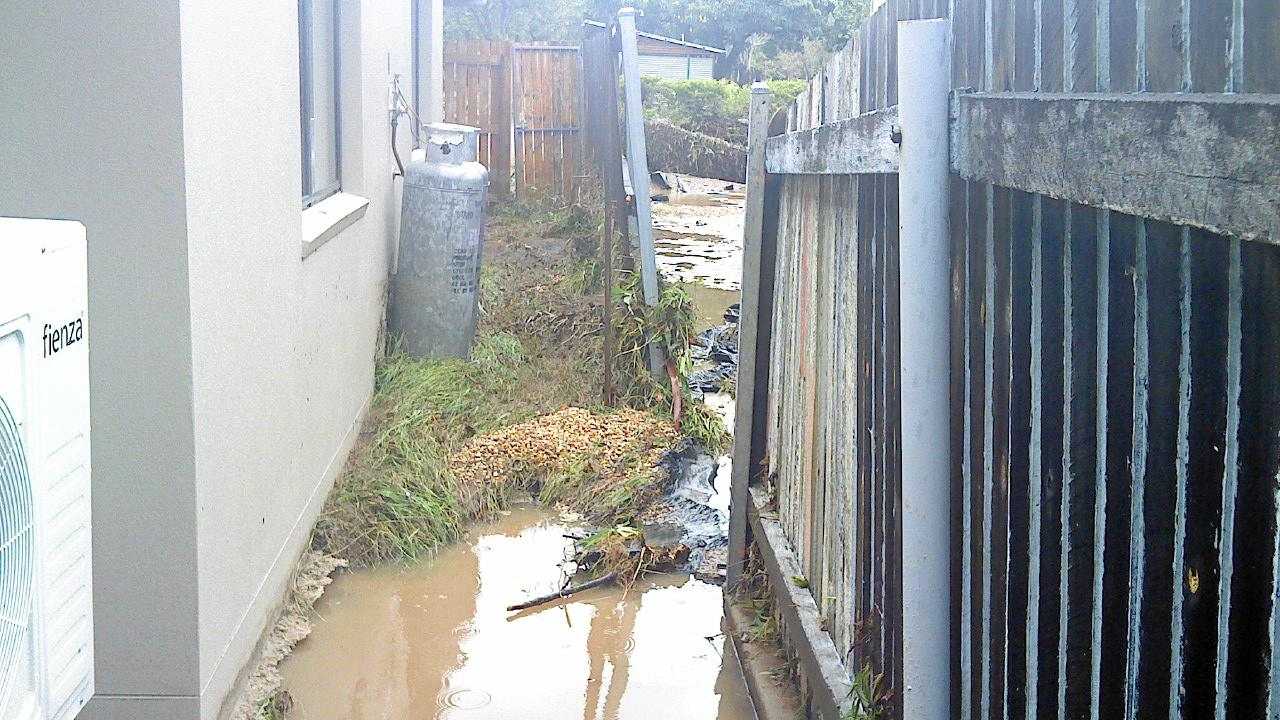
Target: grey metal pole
pixel 748 329
pixel 638 161
pixel 924 276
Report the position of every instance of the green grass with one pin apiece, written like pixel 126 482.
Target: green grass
pixel 868 695
pixel 397 500
pixel 764 626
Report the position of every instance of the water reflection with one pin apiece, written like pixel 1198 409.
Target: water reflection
pixel 435 641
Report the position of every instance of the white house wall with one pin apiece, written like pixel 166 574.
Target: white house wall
pixel 702 68
pixel 91 130
pixel 671 67
pixel 674 67
pixel 228 373
pixel 283 346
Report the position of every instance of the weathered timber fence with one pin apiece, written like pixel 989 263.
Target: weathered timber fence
pixel 1114 425
pixel 477 92
pixel 525 99
pixel 548 145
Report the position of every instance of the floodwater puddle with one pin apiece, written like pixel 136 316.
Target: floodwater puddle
pixel 434 640
pixel 698 234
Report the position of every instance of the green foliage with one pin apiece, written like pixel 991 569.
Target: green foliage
pixel 546 218
pixel 741 27
pixel 764 624
pixel 268 710
pixel 397 501
pixel 518 20
pixel 802 62
pixel 670 325
pixel 604 536
pixel 868 695
pixel 736 25
pixel 712 107
pixel 703 425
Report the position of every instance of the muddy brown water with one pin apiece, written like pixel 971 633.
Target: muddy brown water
pixel 434 640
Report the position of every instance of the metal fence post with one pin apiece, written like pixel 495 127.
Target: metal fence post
pixel 638 162
pixel 925 266
pixel 748 330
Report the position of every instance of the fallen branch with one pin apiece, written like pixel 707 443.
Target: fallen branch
pixel 602 580
pixel 676 395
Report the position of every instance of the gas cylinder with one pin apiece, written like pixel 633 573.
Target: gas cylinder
pixel 434 290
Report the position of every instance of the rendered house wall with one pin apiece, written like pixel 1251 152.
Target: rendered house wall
pixel 91 130
pixel 229 373
pixel 283 346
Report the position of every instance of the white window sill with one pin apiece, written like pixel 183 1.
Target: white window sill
pixel 323 221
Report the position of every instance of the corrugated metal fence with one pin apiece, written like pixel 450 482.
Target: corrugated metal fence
pixel 1115 389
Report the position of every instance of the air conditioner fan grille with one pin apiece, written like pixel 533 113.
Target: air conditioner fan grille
pixel 17 547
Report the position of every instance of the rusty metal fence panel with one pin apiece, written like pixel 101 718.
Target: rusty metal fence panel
pixel 1117 455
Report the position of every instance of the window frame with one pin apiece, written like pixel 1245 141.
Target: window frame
pixel 306 13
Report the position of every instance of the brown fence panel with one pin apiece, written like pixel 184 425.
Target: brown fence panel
pixel 477 92
pixel 547 91
pixel 1119 553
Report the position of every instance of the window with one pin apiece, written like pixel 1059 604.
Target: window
pixel 318 73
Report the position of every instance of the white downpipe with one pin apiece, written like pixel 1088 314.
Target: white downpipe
pixel 430 60
pixel 925 294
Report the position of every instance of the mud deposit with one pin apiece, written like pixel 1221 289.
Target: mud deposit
pixel 434 640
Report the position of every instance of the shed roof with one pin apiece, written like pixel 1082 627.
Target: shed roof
pixel 669 40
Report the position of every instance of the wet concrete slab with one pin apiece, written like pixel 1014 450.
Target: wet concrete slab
pixel 434 640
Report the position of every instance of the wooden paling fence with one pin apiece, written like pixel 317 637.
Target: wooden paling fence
pixel 548 125
pixel 477 92
pixel 525 100
pixel 1113 429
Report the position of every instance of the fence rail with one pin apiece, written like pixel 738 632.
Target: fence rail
pixel 1115 415
pixel 477 92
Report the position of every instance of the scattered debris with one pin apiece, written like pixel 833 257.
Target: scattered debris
pixel 566 592
pixel 717 346
pixel 449 442
pixel 602 464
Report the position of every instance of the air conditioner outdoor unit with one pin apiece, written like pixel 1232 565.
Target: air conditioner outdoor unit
pixel 46 610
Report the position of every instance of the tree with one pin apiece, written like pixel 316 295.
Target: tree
pixel 553 21
pixel 738 26
pixel 731 24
